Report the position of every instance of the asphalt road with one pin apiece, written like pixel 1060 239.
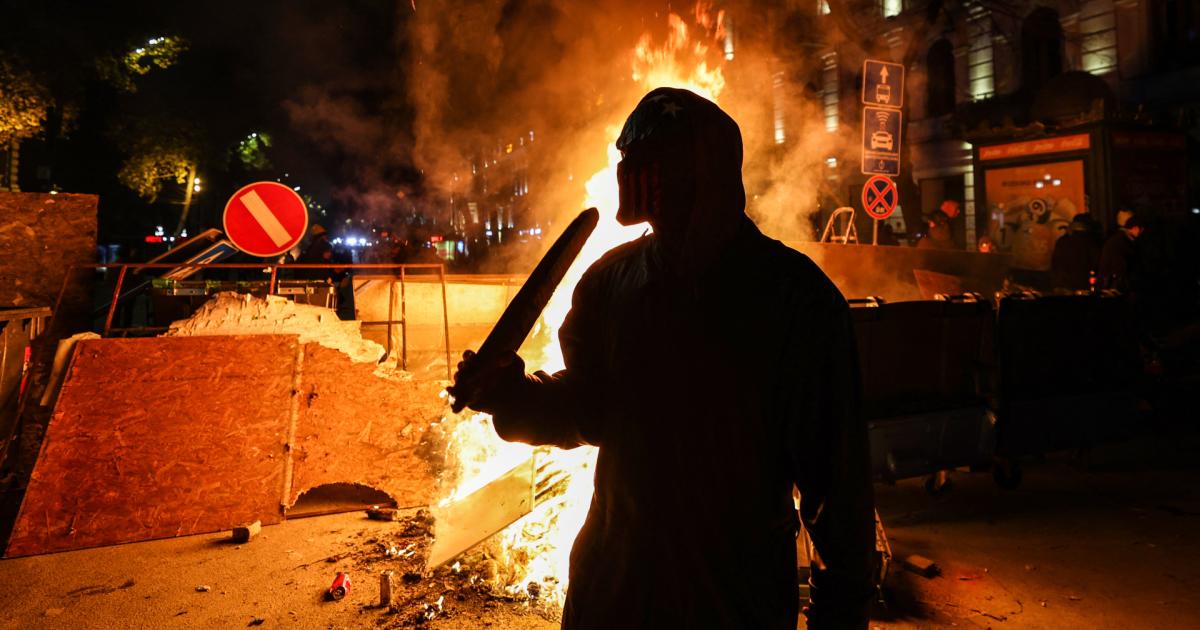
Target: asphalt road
pixel 1109 540
pixel 1104 542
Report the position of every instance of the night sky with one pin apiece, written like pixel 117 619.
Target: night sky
pixel 325 80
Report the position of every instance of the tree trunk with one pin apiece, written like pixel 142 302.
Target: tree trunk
pixel 189 188
pixel 8 180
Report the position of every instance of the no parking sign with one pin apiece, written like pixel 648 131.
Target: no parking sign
pixel 879 197
pixel 265 219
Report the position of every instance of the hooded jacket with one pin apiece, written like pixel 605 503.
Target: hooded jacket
pixel 713 380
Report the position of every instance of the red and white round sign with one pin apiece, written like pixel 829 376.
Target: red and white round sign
pixel 265 219
pixel 879 197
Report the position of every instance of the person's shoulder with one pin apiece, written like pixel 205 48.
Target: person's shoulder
pixel 1116 240
pixel 617 262
pixel 800 273
pixel 625 252
pixel 621 257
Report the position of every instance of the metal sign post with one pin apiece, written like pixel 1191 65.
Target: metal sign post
pixel 879 198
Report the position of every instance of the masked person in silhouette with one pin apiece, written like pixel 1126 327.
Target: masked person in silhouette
pixel 714 368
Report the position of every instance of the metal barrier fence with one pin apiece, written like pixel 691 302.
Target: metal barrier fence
pixel 272 287
pixel 19 327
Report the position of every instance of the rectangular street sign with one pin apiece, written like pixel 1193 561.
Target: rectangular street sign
pixel 881 141
pixel 220 250
pixel 875 165
pixel 883 84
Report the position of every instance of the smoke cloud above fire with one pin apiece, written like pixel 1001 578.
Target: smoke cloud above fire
pixel 564 75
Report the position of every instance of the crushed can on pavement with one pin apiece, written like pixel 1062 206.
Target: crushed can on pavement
pixel 340 586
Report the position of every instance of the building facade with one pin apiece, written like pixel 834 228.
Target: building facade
pixel 986 72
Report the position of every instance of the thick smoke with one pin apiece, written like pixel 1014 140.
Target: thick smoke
pixel 487 73
pixel 346 65
pixel 774 97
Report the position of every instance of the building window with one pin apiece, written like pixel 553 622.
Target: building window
pixel 969 208
pixel 1098 28
pixel 777 90
pixel 822 7
pixel 1041 48
pixel 829 91
pixel 728 38
pixel 941 85
pixel 1175 34
pixel 891 8
pixel 981 72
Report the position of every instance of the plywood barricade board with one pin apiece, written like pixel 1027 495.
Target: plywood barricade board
pixel 154 438
pixel 171 436
pixel 356 427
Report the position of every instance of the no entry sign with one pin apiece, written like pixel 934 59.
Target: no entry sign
pixel 879 197
pixel 265 219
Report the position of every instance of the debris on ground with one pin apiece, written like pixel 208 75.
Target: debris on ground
pixel 257 621
pixel 478 583
pixel 203 588
pixel 380 513
pixel 396 552
pixel 1175 510
pixel 340 586
pixel 243 533
pixel 387 586
pixel 921 566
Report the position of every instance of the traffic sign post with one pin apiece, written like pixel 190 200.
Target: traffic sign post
pixel 881 141
pixel 216 252
pixel 265 219
pixel 883 84
pixel 879 198
pixel 882 120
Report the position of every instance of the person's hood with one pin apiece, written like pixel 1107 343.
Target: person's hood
pixel 702 141
pixel 1081 223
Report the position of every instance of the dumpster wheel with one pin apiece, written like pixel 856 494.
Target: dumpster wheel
pixel 938 483
pixel 1006 473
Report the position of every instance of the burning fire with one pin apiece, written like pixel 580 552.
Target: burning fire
pixel 536 549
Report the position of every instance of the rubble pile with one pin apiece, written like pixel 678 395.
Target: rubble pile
pixel 471 588
pixel 230 313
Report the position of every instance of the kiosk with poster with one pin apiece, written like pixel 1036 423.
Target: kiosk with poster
pixel 1032 188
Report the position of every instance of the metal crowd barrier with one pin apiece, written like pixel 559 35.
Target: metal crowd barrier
pixel 19 326
pixel 273 286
